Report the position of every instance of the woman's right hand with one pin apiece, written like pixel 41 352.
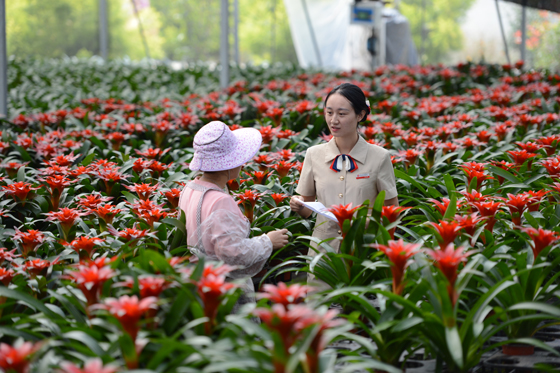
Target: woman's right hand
pixel 279 238
pixel 295 203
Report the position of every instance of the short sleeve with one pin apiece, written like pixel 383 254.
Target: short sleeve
pixel 386 178
pixel 306 183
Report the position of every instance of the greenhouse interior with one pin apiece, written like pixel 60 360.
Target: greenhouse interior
pixel 164 202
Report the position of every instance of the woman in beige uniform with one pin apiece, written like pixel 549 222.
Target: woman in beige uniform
pixel 347 169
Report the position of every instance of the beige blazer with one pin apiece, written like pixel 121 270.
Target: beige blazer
pixel 374 173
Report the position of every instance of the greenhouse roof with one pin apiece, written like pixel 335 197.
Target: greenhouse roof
pixel 551 5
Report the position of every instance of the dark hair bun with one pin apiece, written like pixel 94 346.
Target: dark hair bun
pixel 355 95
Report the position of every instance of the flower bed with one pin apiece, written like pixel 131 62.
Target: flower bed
pixel 95 265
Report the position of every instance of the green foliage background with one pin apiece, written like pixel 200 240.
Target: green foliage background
pixel 182 30
pixel 442 19
pixel 188 30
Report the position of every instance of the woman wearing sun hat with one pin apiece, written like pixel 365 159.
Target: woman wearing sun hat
pixel 216 228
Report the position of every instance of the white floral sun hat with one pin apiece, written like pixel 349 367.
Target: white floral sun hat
pixel 217 148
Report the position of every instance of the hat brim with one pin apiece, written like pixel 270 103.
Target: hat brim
pixel 249 141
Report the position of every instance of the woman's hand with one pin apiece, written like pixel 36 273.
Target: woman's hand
pixel 279 238
pixel 295 203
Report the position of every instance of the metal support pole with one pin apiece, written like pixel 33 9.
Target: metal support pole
pixel 103 33
pixel 503 32
pixel 3 63
pixel 524 31
pixel 273 32
pixel 236 31
pixel 312 32
pixel 224 44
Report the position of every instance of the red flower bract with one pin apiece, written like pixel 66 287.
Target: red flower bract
pixel 90 280
pixel 399 254
pixel 16 359
pixel 541 239
pixel 343 213
pixel 211 289
pixel 447 231
pixel 283 294
pixel 92 366
pixel 128 310
pixel 448 262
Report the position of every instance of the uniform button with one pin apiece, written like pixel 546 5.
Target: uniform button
pixel 340 195
pixel 339 232
pixel 342 178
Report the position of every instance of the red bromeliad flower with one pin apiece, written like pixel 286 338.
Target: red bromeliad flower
pixel 259 177
pixel 86 244
pixel 550 143
pixel 268 133
pixel 19 190
pixel 16 359
pixel 517 204
pixel 506 166
pixel 488 210
pixel 469 222
pixel 91 201
pixel 37 267
pixel 90 280
pixel 249 200
pixel 447 232
pixel 107 212
pixel 441 206
pixel 129 235
pixel 152 153
pixel 480 177
pixel 92 366
pixel 144 191
pixel 535 199
pixel 448 262
pixel 541 239
pixel 211 290
pixel 399 254
pixel 409 156
pixel 275 114
pixel 283 168
pixel 156 168
pixel 128 310
pixel 283 321
pixel 263 160
pixel 66 217
pixel 392 214
pixel 7 255
pixel 6 276
pixel 110 176
pixel 30 240
pixel 519 157
pixel 343 213
pixel 325 321
pixel 172 197
pixel 278 198
pixel 283 294
pixel 552 165
pixel 150 286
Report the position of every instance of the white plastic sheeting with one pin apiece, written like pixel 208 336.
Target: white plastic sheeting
pixel 340 45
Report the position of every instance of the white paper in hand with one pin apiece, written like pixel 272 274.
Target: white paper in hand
pixel 320 209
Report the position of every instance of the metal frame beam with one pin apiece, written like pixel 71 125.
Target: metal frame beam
pixel 503 32
pixel 224 44
pixel 3 63
pixel 103 30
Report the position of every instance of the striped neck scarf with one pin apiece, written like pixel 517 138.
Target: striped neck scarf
pixel 344 160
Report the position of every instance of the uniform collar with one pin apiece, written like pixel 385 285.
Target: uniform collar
pixel 358 152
